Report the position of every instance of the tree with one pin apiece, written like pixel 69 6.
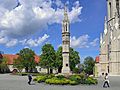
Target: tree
pixel 48 57
pixel 27 55
pixel 89 64
pixel 74 58
pixel 3 66
pixel 18 63
pixel 59 59
pixel 1 57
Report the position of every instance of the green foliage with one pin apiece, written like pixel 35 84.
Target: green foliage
pixel 59 57
pixel 57 81
pixel 18 63
pixel 48 57
pixel 27 55
pixel 76 78
pixel 60 76
pixel 91 80
pixel 73 83
pixel 76 70
pixel 3 66
pixel 74 58
pixel 62 80
pixel 50 76
pixel 42 78
pixel 89 64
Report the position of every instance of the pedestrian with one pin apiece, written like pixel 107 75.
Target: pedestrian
pixel 29 79
pixel 106 81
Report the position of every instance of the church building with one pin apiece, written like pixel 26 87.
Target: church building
pixel 109 58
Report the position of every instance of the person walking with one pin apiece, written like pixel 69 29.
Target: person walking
pixel 29 79
pixel 106 81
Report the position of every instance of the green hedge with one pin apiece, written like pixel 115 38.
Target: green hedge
pixel 91 80
pixel 57 81
pixel 42 78
pixel 62 80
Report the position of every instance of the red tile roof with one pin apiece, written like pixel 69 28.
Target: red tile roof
pixel 97 59
pixel 37 59
pixel 11 57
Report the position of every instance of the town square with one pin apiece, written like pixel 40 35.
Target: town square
pixel 9 82
pixel 59 44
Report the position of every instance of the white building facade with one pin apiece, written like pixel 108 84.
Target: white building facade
pixel 110 40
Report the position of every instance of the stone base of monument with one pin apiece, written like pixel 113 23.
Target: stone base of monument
pixel 65 72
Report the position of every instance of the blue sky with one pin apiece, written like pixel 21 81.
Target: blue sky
pixel 36 22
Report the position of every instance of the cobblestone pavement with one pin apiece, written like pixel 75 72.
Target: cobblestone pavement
pixel 11 82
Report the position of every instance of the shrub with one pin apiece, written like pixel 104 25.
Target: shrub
pixel 76 78
pixel 76 70
pixel 35 79
pixel 60 76
pixel 82 74
pixel 40 79
pixel 57 81
pixel 91 80
pixel 62 80
pixel 50 76
pixel 73 83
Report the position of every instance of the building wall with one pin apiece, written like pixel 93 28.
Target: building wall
pixel 110 41
pixel 39 69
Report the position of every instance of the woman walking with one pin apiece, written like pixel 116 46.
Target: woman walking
pixel 106 81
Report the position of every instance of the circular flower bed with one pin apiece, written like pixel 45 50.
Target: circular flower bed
pixel 62 80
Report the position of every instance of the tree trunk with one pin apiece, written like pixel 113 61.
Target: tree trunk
pixel 51 71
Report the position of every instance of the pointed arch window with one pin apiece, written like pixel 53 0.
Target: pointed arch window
pixel 66 27
pixel 117 6
pixel 110 6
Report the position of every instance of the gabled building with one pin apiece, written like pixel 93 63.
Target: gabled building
pixel 10 59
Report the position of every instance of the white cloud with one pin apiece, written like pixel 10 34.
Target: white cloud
pixel 77 4
pixel 26 47
pixel 31 17
pixel 59 3
pixel 8 4
pixel 94 42
pixel 35 42
pixel 3 40
pixel 80 42
pixel 7 42
pixel 83 42
pixel 12 42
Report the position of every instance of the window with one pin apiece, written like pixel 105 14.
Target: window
pixel 66 27
pixel 110 9
pixel 117 6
